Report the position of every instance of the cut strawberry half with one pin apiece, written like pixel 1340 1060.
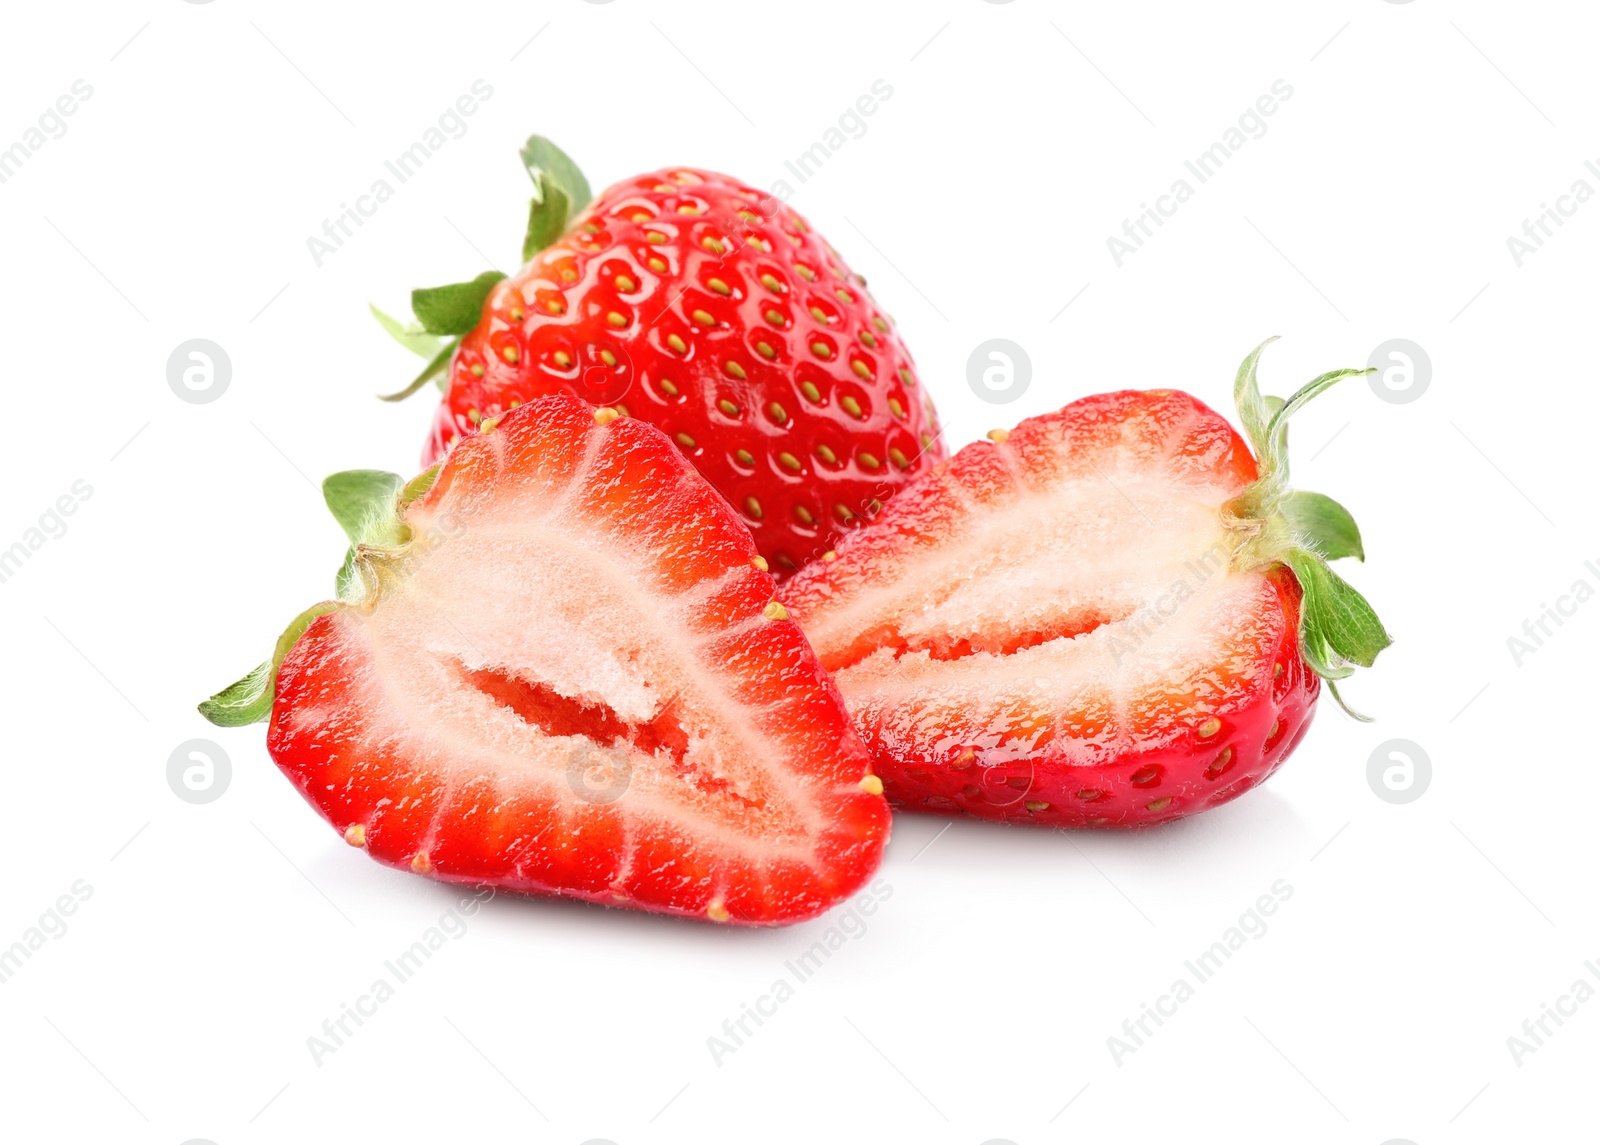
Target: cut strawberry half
pixel 1114 615
pixel 556 666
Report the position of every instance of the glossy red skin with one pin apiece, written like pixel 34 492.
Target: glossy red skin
pixel 1169 773
pixel 494 832
pixel 564 301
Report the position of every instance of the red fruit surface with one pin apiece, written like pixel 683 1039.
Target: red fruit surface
pixel 572 679
pixel 709 309
pixel 1048 627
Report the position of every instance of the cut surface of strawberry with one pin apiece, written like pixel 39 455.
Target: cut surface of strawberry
pixel 557 667
pixel 1109 616
pixel 695 302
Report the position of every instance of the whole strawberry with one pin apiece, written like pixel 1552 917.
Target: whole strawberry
pixel 711 310
pixel 1111 616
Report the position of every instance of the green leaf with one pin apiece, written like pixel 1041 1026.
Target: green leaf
pixel 249 700
pixel 434 369
pixel 1276 444
pixel 453 309
pixel 543 158
pixel 363 502
pixel 547 218
pixel 1253 411
pixel 419 485
pixel 412 336
pixel 1338 628
pixel 1323 524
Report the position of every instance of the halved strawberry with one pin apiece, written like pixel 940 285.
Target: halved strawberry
pixel 556 666
pixel 710 309
pixel 1112 616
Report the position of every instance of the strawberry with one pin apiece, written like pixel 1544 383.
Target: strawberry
pixel 556 666
pixel 1112 616
pixel 694 302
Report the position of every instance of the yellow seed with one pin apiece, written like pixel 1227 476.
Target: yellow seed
pixel 998 435
pixel 905 376
pixel 510 354
pixel 562 358
pixel 843 512
pixel 515 402
pixel 641 216
pixel 827 454
pixel 744 458
pixel 657 265
pixel 844 295
pixel 869 461
pixel 1158 804
pixel 668 388
pixel 568 274
pixel 765 350
pixel 778 413
pixel 1037 805
pixel 608 357
pixel 728 407
pixel 716 912
pixel 819 314
pixel 688 209
pixel 753 507
pixel 872 785
pixel 356 834
pixel 686 441
pixel 605 415
pixel 420 863
pixel 774 317
pixel 655 237
pixel 1210 728
pixel 555 307
pixel 476 370
pixel 850 406
pixel 770 281
pixel 1277 670
pixel 677 344
pixel 805 272
pixel 775 611
pixel 719 286
pixel 625 284
pixel 822 349
pixel 830 555
pixel 861 368
pixel 882 326
pixel 811 392
pixel 789 461
pixel 803 515
pixel 591 228
pixel 759 562
pixel 712 245
pixel 896 408
pixel 488 425
pixel 515 314
pixel 868 340
pixel 898 458
pixel 703 318
pixel 616 319
pixel 734 369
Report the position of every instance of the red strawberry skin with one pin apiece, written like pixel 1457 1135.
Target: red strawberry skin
pixel 709 309
pixel 1046 628
pixel 573 591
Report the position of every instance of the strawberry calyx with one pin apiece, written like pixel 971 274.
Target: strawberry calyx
pixel 444 314
pixel 1278 525
pixel 367 504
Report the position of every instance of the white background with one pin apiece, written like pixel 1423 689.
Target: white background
pixel 978 1004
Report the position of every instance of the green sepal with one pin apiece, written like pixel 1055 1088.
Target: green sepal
pixel 419 485
pixel 434 369
pixel 1322 524
pixel 559 192
pixel 453 309
pixel 1339 630
pixel 249 700
pixel 410 335
pixel 363 502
